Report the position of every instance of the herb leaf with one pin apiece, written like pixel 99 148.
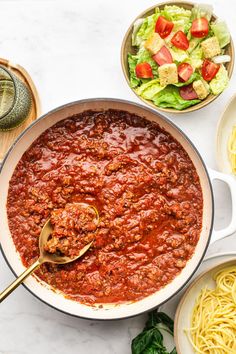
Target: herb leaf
pixel 150 340
pixel 174 351
pixel 152 321
pixel 166 320
pixel 143 341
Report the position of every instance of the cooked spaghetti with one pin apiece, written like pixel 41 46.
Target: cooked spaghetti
pixel 232 149
pixel 213 322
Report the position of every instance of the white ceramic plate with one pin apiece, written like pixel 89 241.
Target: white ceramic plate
pixel 225 125
pixel 184 309
pixel 170 306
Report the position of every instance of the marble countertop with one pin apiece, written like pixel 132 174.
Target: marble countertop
pixel 72 51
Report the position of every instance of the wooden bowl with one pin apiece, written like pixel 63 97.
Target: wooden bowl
pixel 128 48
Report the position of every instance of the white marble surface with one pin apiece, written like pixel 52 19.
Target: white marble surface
pixel 71 49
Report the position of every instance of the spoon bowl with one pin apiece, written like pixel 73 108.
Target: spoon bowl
pixel 55 257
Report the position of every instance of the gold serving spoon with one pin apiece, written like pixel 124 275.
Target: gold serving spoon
pixel 44 257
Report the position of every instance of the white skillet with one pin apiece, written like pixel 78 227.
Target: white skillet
pixel 107 312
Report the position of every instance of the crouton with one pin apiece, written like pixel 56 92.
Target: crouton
pixel 154 43
pixel 201 88
pixel 211 47
pixel 168 74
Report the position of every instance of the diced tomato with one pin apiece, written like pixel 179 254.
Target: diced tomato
pixel 163 56
pixel 144 71
pixel 180 40
pixel 163 26
pixel 188 92
pixel 185 70
pixel 209 70
pixel 200 27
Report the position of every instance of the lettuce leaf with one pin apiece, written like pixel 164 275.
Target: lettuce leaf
pixel 220 81
pixel 132 62
pixel 170 98
pixel 202 10
pixel 221 31
pixel 193 43
pixel 196 57
pixel 178 15
pixel 136 41
pixel 147 27
pixel 178 55
pixel 150 89
pixel 144 55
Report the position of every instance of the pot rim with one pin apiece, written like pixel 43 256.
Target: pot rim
pixel 163 117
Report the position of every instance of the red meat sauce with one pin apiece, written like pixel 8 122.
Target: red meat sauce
pixel 144 186
pixel 73 228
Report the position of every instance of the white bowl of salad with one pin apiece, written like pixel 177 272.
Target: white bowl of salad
pixel 178 56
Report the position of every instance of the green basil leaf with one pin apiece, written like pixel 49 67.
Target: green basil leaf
pixel 166 320
pixel 152 320
pixel 142 341
pixel 158 336
pixel 150 341
pixel 151 350
pixel 155 350
pixel 174 351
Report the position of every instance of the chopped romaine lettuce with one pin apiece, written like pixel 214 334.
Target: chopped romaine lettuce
pixel 221 31
pixel 170 98
pixel 179 55
pixel 132 62
pixel 202 10
pixel 193 43
pixel 144 55
pixel 178 15
pixel 147 27
pixel 196 57
pixel 169 38
pixel 136 41
pixel 220 81
pixel 187 28
pixel 150 89
pixel 193 77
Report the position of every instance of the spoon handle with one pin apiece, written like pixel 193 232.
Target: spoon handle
pixel 19 280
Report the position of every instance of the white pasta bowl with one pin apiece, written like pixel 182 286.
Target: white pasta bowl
pixel 185 308
pixel 225 125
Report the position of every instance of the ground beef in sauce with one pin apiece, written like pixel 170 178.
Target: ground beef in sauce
pixel 144 186
pixel 73 228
